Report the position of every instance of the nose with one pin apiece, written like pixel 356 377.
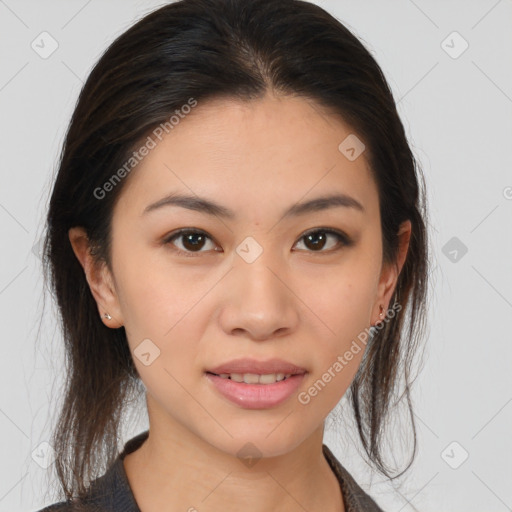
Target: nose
pixel 259 302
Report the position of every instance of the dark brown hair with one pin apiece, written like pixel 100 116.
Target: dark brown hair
pixel 206 49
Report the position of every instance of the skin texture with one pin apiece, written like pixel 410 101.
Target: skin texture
pixel 295 302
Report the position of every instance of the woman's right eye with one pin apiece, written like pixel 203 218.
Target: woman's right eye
pixel 191 240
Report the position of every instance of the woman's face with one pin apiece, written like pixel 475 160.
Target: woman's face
pixel 254 283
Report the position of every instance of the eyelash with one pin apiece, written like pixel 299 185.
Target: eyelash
pixel 343 239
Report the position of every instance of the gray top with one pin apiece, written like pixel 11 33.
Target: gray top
pixel 112 492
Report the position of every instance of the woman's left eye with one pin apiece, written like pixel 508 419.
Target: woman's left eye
pixel 192 241
pixel 317 239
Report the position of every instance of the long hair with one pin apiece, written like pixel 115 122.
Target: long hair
pixel 207 49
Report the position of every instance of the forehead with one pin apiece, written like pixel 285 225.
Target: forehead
pixel 247 155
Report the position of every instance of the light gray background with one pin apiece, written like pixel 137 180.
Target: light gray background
pixel 458 116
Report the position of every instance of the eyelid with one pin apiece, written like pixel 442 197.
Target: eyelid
pixel 182 231
pixel 332 231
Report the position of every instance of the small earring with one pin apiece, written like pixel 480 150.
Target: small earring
pixel 381 309
pixel 107 316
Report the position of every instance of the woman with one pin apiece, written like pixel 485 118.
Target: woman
pixel 236 226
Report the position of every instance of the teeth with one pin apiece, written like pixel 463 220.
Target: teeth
pixel 253 378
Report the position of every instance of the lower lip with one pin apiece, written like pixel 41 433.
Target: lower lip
pixel 256 396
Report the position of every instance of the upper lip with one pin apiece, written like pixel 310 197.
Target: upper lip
pixel 269 366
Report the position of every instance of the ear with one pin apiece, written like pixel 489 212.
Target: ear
pixel 98 277
pixel 390 273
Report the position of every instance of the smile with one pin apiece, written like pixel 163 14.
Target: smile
pixel 255 395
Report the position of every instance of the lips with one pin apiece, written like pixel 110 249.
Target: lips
pixel 257 367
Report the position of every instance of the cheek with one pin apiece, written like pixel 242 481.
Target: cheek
pixel 341 302
pixel 164 316
pixel 156 297
pixel 343 311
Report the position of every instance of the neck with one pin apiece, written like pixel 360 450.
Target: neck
pixel 175 470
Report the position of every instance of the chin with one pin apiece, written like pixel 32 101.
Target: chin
pixel 257 443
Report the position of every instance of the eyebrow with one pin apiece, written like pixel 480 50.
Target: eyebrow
pixel 210 207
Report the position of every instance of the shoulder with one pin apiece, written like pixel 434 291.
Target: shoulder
pixel 68 506
pixel 61 506
pixel 355 498
pixel 110 492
